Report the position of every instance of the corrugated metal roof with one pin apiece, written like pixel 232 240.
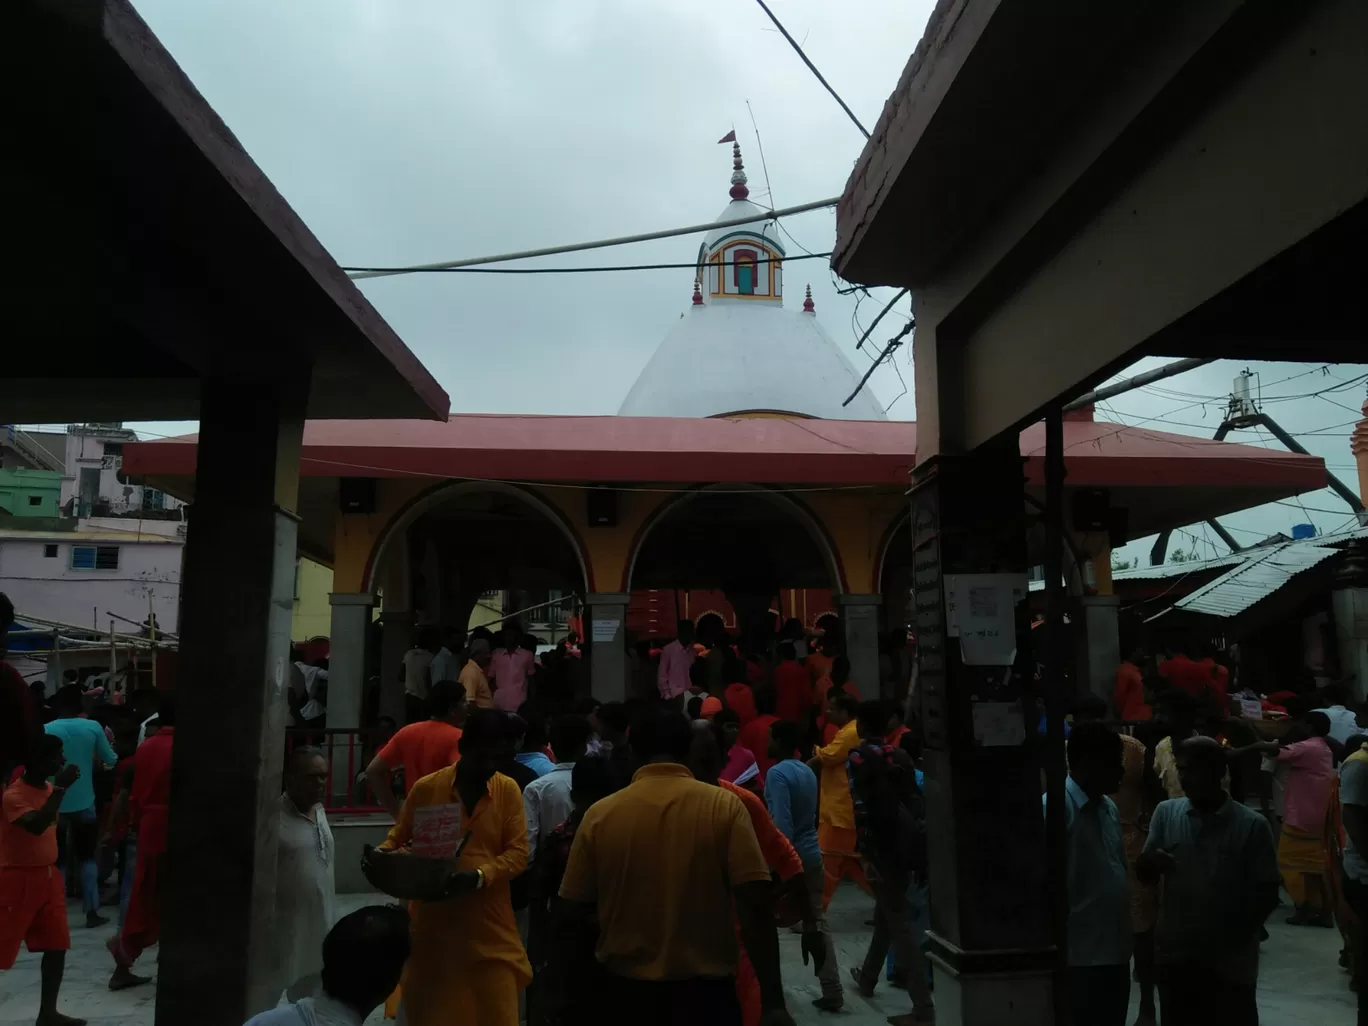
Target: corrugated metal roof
pixel 1254 579
pixel 1147 573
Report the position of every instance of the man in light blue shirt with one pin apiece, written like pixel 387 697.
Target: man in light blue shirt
pixel 83 744
pixel 1220 872
pixel 791 791
pixel 1099 895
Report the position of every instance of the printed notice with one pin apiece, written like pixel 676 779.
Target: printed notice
pixel 604 630
pixel 437 831
pixel 998 724
pixel 984 607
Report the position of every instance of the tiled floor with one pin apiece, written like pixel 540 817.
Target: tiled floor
pixel 1299 984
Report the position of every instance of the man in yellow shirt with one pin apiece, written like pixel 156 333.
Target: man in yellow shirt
pixel 661 862
pixel 836 811
pixel 468 962
pixel 472 676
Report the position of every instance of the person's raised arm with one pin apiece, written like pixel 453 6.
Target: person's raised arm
pixel 36 821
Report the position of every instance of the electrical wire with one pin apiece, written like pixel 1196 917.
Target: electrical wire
pixel 578 247
pixel 583 270
pixel 893 343
pixel 813 68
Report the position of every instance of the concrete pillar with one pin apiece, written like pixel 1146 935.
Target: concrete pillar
pixel 1349 603
pixel 1099 642
pixel 396 638
pixel 860 617
pixel 605 627
pixel 990 936
pixel 351 618
pixel 218 896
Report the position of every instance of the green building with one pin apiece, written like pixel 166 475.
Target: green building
pixel 29 493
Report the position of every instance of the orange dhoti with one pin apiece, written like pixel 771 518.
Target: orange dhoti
pixel 839 859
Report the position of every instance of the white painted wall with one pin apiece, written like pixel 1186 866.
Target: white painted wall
pixel 47 587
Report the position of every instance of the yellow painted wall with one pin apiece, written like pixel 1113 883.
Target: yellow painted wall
pixel 312 615
pixel 857 521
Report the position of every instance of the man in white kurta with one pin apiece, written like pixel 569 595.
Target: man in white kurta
pixel 304 874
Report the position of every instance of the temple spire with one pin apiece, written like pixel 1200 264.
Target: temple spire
pixel 808 305
pixel 738 178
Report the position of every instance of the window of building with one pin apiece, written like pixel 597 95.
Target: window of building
pixel 49 551
pixel 94 557
pixel 35 500
pixel 743 271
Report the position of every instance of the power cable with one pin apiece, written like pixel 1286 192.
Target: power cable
pixel 580 270
pixel 888 306
pixel 893 343
pixel 357 273
pixel 813 68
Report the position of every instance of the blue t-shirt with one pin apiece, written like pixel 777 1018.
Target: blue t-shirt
pixel 537 762
pixel 83 741
pixel 791 791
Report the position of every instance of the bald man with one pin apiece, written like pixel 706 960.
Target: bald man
pixel 1220 871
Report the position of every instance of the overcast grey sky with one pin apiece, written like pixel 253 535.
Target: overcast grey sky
pixel 411 131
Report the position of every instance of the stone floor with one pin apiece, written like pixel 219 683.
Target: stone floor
pixel 1299 983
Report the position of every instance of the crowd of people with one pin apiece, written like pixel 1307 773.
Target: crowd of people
pixel 634 861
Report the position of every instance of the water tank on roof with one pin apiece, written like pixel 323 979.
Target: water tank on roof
pixel 1300 532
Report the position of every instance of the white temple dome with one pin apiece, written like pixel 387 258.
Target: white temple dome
pixel 736 350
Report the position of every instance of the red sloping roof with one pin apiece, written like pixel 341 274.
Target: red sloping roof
pixel 759 450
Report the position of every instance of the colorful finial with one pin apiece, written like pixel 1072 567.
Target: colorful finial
pixel 808 306
pixel 698 294
pixel 738 189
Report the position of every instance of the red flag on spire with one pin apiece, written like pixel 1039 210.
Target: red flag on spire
pixel 729 137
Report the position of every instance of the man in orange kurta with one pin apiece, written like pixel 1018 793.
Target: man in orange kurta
pixel 836 811
pixel 468 962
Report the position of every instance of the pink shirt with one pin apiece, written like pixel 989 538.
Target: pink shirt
pixel 509 672
pixel 673 676
pixel 1306 795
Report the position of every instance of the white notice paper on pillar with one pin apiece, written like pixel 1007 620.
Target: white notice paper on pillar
pixel 998 724
pixel 604 630
pixel 984 608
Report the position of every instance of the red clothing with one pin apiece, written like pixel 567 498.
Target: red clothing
pixel 1200 680
pixel 18 847
pixel 782 858
pixel 740 699
pixel 19 721
pixel 149 797
pixel 142 923
pixel 755 736
pixel 1129 693
pixel 792 690
pixel 422 748
pixel 34 901
pixel 894 737
pixel 829 732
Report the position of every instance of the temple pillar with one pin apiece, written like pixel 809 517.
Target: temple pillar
pixel 396 638
pixel 218 895
pixel 860 618
pixel 605 628
pixel 990 935
pixel 351 619
pixel 1349 603
pixel 1099 645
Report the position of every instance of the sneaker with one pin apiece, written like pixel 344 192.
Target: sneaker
pixel 829 1003
pixel 94 919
